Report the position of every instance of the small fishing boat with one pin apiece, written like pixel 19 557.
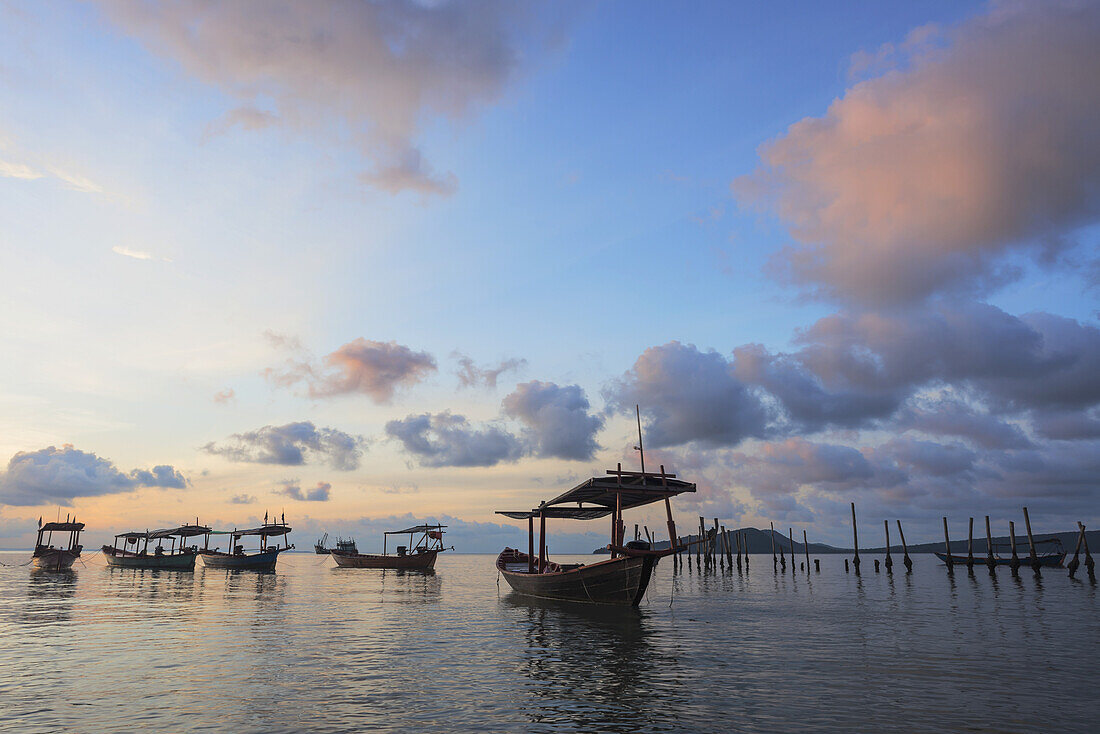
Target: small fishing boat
pixel 425 543
pixel 623 578
pixel 49 558
pixel 320 546
pixel 175 558
pixel 237 558
pixel 1052 558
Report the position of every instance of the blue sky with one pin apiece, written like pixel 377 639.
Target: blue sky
pixel 192 213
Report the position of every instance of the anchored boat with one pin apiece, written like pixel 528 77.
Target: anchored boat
pixel 49 558
pixel 175 558
pixel 238 559
pixel 425 543
pixel 1054 557
pixel 623 578
pixel 320 546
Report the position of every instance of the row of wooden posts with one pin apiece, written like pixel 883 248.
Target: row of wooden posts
pixel 713 549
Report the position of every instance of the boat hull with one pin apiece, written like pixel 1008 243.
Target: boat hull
pixel 415 562
pixel 264 561
pixel 174 562
pixel 620 580
pixel 55 559
pixel 1050 560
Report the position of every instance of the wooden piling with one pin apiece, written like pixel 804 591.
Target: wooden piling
pixel 775 561
pixel 889 560
pixel 855 540
pixel 845 565
pixel 1076 562
pixel 790 539
pixel 947 547
pixel 737 538
pixel 716 550
pixel 806 547
pixel 905 550
pixel 648 537
pixel 970 547
pixel 990 559
pixel 817 565
pixel 1015 563
pixel 745 547
pixel 876 565
pixel 1031 543
pixel 1089 563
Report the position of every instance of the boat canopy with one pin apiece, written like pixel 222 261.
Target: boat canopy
pixel 562 513
pixel 184 531
pixel 634 488
pixel 263 530
pixel 54 527
pixel 415 529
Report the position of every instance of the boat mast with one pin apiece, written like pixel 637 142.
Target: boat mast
pixel 640 448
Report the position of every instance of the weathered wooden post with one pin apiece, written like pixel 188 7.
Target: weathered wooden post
pixel 745 547
pixel 990 560
pixel 855 540
pixel 775 561
pixel 845 565
pixel 947 546
pixel 970 548
pixel 876 565
pixel 905 550
pixel 790 539
pixel 1014 564
pixel 737 537
pixel 636 531
pixel 699 546
pixel 1031 543
pixel 716 549
pixel 648 537
pixel 724 548
pixel 806 547
pixel 1076 562
pixel 817 565
pixel 729 547
pixel 1089 563
pixel 889 559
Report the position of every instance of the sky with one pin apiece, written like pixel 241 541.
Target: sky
pixel 366 263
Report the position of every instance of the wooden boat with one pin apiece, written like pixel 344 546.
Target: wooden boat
pixel 623 578
pixel 177 559
pixel 1053 558
pixel 49 558
pixel 425 543
pixel 237 559
pixel 319 547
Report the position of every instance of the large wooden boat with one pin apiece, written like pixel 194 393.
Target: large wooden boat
pixel 624 577
pixel 175 558
pixel 49 558
pixel 425 543
pixel 238 559
pixel 1053 558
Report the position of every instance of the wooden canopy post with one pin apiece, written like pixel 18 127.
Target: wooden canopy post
pixel 889 560
pixel 1089 563
pixel 1031 543
pixel 855 541
pixel 947 547
pixel 668 509
pixel 1076 562
pixel 530 544
pixel 542 537
pixel 990 560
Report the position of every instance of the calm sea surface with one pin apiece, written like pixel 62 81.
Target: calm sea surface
pixel 315 648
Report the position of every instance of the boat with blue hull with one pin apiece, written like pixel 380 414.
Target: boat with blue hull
pixel 262 559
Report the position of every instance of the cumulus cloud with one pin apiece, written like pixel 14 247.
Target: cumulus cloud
pixel 916 181
pixel 242 499
pixel 471 375
pixel 445 439
pixel 558 424
pixel 292 489
pixel 688 395
pixel 372 368
pixel 58 475
pixel 292 445
pixel 949 417
pixel 370 74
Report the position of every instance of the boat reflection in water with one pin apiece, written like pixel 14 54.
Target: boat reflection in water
pixel 596 667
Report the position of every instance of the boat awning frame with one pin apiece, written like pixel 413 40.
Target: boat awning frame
pixel 559 513
pixel 625 489
pixel 415 529
pixel 57 527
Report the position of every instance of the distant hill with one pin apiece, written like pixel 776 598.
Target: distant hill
pixel 760 541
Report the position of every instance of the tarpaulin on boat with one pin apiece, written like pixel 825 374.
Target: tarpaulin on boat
pixel 560 513
pixel 415 529
pixel 635 489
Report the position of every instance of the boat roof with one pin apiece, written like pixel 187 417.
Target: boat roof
pixel 184 531
pixel 566 513
pixel 265 530
pixel 61 526
pixel 635 489
pixel 415 529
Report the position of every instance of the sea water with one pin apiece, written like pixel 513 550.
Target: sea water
pixel 315 648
